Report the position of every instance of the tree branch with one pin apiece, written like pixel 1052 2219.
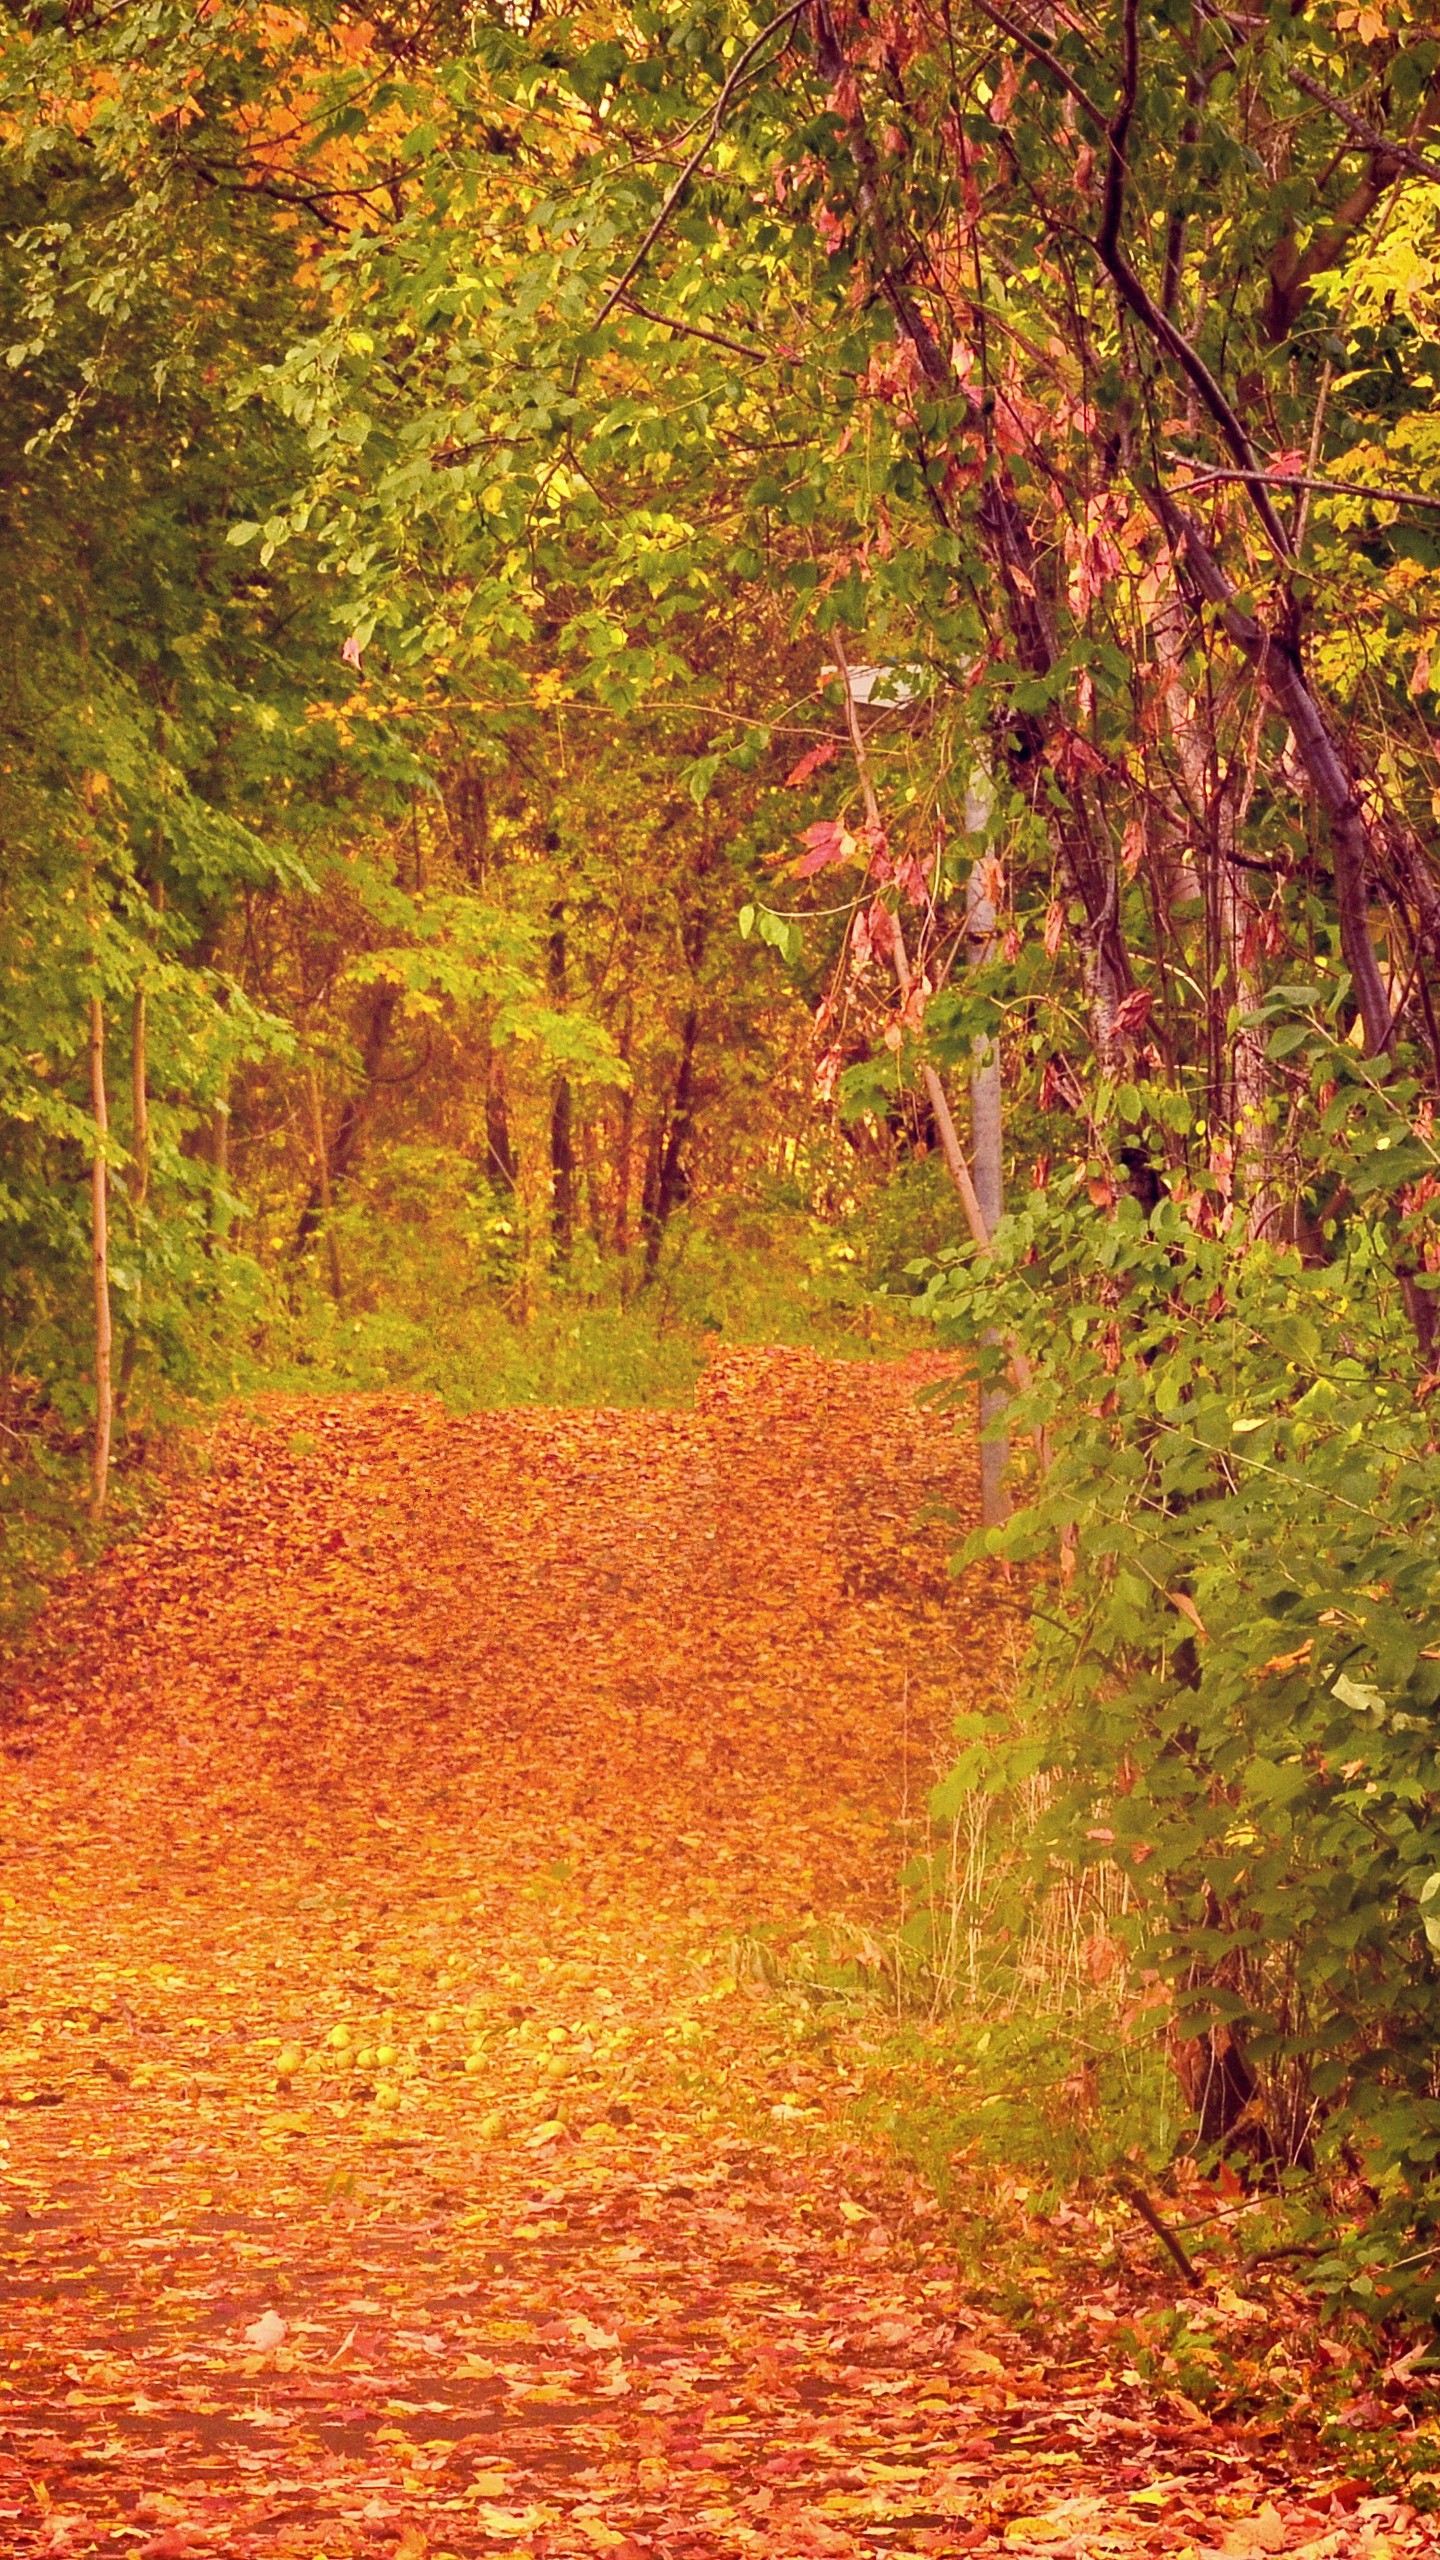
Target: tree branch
pixel 1148 312
pixel 1365 133
pixel 677 192
pixel 688 329
pixel 1209 479
pixel 1049 61
pixel 1283 677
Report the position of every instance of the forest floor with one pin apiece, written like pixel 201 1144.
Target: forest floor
pixel 399 2159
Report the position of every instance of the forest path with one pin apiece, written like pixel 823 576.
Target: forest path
pixel 395 2164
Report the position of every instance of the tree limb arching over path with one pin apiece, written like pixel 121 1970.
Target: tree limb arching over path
pixel 395 2164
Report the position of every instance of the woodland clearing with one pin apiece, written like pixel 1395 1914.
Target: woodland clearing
pixel 399 2158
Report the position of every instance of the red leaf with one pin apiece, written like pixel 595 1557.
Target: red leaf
pixel 828 843
pixel 811 762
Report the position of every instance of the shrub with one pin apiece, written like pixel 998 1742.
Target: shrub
pixel 1234 1673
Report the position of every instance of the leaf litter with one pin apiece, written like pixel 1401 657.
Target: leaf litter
pixel 394 2160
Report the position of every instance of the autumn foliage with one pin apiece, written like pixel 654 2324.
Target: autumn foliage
pixel 670 668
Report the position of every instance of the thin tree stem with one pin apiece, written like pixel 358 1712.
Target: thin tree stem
pixel 100 1260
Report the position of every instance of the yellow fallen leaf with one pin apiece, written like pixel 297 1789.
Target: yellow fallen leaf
pixel 507 2520
pixel 1264 2531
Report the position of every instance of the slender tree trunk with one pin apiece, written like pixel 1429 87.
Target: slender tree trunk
pixel 139 1188
pixel 650 1177
pixel 950 1147
pixel 139 1107
pixel 1217 819
pixel 322 1179
pixel 624 1151
pixel 562 1167
pixel 500 1164
pixel 349 1128
pixel 671 1180
pixel 212 1146
pixel 1248 1074
pixel 467 810
pixel 988 1160
pixel 588 1154
pixel 1283 677
pixel 100 1257
pixel 562 1108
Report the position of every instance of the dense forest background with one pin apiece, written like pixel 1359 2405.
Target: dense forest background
pixel 623 621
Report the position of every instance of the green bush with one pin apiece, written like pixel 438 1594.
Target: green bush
pixel 1234 1676
pixel 439 1294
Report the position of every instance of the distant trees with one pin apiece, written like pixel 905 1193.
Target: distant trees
pixel 275 895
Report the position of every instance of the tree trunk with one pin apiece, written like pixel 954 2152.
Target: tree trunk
pixel 345 1145
pixel 322 1179
pixel 562 1108
pixel 139 1107
pixel 624 1150
pixel 1280 672
pixel 672 1183
pixel 988 1173
pixel 500 1162
pixel 467 811
pixel 100 1257
pixel 1216 818
pixel 139 1187
pixel 562 1168
pixel 212 1146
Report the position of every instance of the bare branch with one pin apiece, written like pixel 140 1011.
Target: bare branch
pixel 688 329
pixel 1364 132
pixel 1208 479
pixel 1280 671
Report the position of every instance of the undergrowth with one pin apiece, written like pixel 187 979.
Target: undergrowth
pixel 435 1297
pixel 1005 2045
pixel 434 1304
